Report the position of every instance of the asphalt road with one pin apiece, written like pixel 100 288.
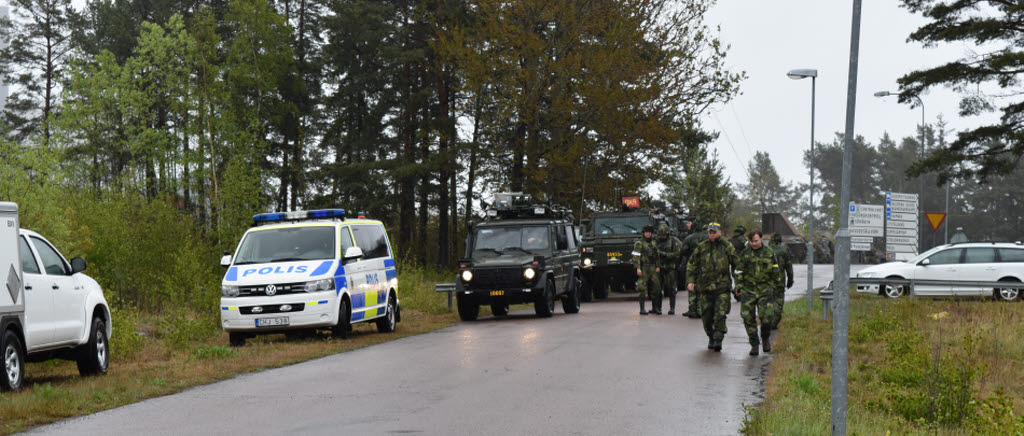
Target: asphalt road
pixel 604 371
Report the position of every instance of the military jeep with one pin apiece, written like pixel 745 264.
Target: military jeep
pixel 521 253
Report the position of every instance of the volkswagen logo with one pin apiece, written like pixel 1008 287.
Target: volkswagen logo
pixel 271 289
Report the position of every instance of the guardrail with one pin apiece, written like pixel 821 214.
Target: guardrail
pixel 446 287
pixel 826 293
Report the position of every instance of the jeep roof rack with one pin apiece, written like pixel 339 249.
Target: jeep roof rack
pixel 510 205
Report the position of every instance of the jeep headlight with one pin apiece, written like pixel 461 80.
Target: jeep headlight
pixel 467 275
pixel 319 285
pixel 529 273
pixel 228 291
pixel 587 261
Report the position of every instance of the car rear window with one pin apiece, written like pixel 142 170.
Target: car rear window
pixel 980 255
pixel 1011 254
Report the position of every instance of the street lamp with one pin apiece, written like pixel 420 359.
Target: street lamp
pixel 797 75
pixel 920 198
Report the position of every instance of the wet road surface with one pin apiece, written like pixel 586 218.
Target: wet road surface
pixel 604 371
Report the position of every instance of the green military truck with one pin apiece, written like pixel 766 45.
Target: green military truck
pixel 606 251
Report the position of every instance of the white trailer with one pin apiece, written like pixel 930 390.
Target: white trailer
pixel 12 300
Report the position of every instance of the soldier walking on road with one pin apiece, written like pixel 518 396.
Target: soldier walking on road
pixel 710 269
pixel 645 258
pixel 693 296
pixel 785 259
pixel 758 276
pixel 669 251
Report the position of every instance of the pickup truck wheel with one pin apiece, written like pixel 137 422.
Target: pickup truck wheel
pixel 94 356
pixel 344 325
pixel 14 362
pixel 236 339
pixel 386 324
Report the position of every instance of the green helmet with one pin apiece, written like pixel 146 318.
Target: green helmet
pixel 663 230
pixel 740 230
pixel 776 238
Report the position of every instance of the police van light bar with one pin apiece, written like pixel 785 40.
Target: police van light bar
pixel 298 215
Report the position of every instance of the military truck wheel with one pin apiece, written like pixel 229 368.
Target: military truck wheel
pixel 468 309
pixel 600 290
pixel 571 300
pixel 545 304
pixel 14 362
pixel 586 290
pixel 499 308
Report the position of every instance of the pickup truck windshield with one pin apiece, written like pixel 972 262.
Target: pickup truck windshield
pixel 525 239
pixel 287 244
pixel 620 225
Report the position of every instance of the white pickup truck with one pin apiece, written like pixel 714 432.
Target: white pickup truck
pixel 48 308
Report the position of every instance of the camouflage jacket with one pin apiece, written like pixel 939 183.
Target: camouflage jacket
pixel 645 253
pixel 711 265
pixel 785 259
pixel 691 242
pixel 758 270
pixel 738 243
pixel 669 252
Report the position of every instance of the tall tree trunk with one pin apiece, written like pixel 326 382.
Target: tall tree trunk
pixel 407 184
pixel 424 191
pixel 285 176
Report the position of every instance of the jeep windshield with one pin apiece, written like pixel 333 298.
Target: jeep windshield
pixel 287 244
pixel 527 239
pixel 620 225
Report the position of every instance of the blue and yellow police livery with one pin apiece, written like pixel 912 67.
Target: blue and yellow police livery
pixel 309 269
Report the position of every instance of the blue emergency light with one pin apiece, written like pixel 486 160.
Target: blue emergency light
pixel 298 215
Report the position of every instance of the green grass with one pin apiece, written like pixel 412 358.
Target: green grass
pixel 925 366
pixel 181 349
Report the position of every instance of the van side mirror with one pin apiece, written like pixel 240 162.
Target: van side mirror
pixel 77 265
pixel 226 260
pixel 353 253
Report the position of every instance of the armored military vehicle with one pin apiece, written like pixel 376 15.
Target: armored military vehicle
pixel 606 250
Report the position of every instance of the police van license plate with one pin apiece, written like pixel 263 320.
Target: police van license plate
pixel 270 322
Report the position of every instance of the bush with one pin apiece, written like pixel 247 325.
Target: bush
pixel 125 340
pixel 180 327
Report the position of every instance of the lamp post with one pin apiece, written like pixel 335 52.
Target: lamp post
pixel 920 198
pixel 797 75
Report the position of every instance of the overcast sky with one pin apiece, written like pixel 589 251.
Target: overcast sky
pixel 773 114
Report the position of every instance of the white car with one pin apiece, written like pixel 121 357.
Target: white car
pixel 965 262
pixel 48 309
pixel 306 270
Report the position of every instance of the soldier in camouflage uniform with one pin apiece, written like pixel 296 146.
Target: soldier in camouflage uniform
pixel 758 276
pixel 739 239
pixel 645 258
pixel 669 251
pixel 785 259
pixel 689 245
pixel 710 269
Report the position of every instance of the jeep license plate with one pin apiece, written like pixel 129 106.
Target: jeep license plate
pixel 497 293
pixel 270 322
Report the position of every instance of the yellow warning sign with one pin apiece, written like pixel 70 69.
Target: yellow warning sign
pixel 935 219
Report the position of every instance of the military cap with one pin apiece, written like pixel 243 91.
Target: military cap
pixel 714 226
pixel 740 230
pixel 663 230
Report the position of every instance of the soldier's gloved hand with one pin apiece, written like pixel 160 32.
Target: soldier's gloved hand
pixel 789 284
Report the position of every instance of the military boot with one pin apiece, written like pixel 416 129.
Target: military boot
pixel 753 350
pixel 643 311
pixel 656 306
pixel 718 345
pixel 672 305
pixel 766 334
pixel 711 343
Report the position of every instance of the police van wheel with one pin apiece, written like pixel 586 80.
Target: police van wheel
pixel 545 304
pixel 499 308
pixel 14 362
pixel 94 356
pixel 236 339
pixel 571 301
pixel 386 323
pixel 344 325
pixel 468 309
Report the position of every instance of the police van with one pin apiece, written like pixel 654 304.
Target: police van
pixel 309 270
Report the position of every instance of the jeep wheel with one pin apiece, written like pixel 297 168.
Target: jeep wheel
pixel 386 323
pixel 545 304
pixel 14 362
pixel 499 308
pixel 571 300
pixel 468 309
pixel 236 339
pixel 344 325
pixel 94 356
pixel 586 290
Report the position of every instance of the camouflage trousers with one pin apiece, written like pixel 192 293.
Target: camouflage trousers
pixel 754 302
pixel 649 284
pixel 716 306
pixel 780 302
pixel 694 301
pixel 668 282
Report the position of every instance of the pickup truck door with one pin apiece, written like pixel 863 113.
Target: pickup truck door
pixel 68 294
pixel 38 300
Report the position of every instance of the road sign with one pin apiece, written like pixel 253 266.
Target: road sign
pixel 898 248
pixel 901 216
pixel 900 240
pixel 862 239
pixel 902 209
pixel 867 231
pixel 902 204
pixel 901 196
pixel 860 247
pixel 902 225
pixel 935 219
pixel 910 233
pixel 866 220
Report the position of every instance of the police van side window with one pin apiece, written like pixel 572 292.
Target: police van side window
pixel 370 238
pixel 28 261
pixel 52 262
pixel 346 240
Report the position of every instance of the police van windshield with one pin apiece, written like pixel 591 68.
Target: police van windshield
pixel 287 244
pixel 501 239
pixel 620 225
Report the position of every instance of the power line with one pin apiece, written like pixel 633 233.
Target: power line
pixel 743 164
pixel 742 132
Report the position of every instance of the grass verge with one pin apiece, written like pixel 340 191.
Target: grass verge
pixel 181 349
pixel 927 366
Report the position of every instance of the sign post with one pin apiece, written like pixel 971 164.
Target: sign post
pixel 901 225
